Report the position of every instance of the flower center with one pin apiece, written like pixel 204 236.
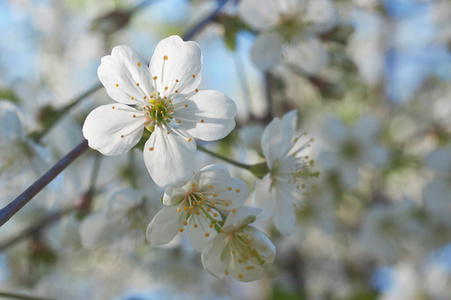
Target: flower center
pixel 158 111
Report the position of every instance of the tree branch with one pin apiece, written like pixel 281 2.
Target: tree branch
pixel 14 206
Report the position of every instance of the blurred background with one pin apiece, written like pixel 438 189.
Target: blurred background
pixel 370 80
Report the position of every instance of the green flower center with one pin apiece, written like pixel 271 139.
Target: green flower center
pixel 159 111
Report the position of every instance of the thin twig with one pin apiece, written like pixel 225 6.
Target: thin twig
pixel 230 161
pixel 196 29
pixel 54 119
pixel 10 295
pixel 14 206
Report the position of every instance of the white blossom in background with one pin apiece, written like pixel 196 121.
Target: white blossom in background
pixel 198 205
pixel 288 29
pixel 124 214
pixel 21 159
pixel 164 99
pixel 351 148
pixel 281 191
pixel 240 250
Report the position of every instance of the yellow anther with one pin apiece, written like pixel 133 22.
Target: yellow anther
pixel 197 213
pixel 233 251
pixel 215 215
pixel 237 190
pixel 207 234
pixel 122 136
pixel 196 89
pixel 189 140
pixel 131 98
pixel 226 272
pixel 229 188
pixel 234 210
pixel 176 80
pixel 181 229
pixel 179 209
pixel 194 75
pixel 186 105
pixel 112 107
pixel 165 88
pixel 165 57
pixel 139 64
pixel 212 204
pixel 248 268
pixel 208 209
pixel 252 267
pixel 201 121
pixel 240 276
pixel 191 207
pixel 179 122
pixel 193 184
pixel 152 101
pixel 215 195
pixel 240 261
pixel 176 91
pixel 195 225
pixel 185 223
pixel 168 132
pixel 222 231
pixel 226 204
pixel 211 225
pixel 134 116
pixel 137 84
pixel 155 78
pixel 151 149
pixel 185 208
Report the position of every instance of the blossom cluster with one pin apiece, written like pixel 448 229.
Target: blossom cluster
pixel 317 167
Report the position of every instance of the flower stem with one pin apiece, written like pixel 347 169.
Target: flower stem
pixel 230 161
pixel 14 206
pixel 37 135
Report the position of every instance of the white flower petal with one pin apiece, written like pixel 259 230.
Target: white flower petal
pixel 165 225
pixel 206 115
pixel 243 216
pixel 239 271
pixel 177 65
pixel 265 248
pixel 233 195
pixel 308 54
pixel 214 258
pixel 113 129
pixel 264 197
pixel 277 137
pixel 365 128
pixel 125 75
pixel 173 195
pixel 122 201
pixel 95 229
pixel 260 14
pixel 199 230
pixel 211 175
pixel 11 120
pixel 322 13
pixel 284 217
pixel 333 132
pixel 170 158
pixel 267 50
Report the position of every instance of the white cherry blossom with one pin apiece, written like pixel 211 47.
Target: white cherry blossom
pixel 240 250
pixel 165 100
pixel 199 205
pixel 288 31
pixel 282 189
